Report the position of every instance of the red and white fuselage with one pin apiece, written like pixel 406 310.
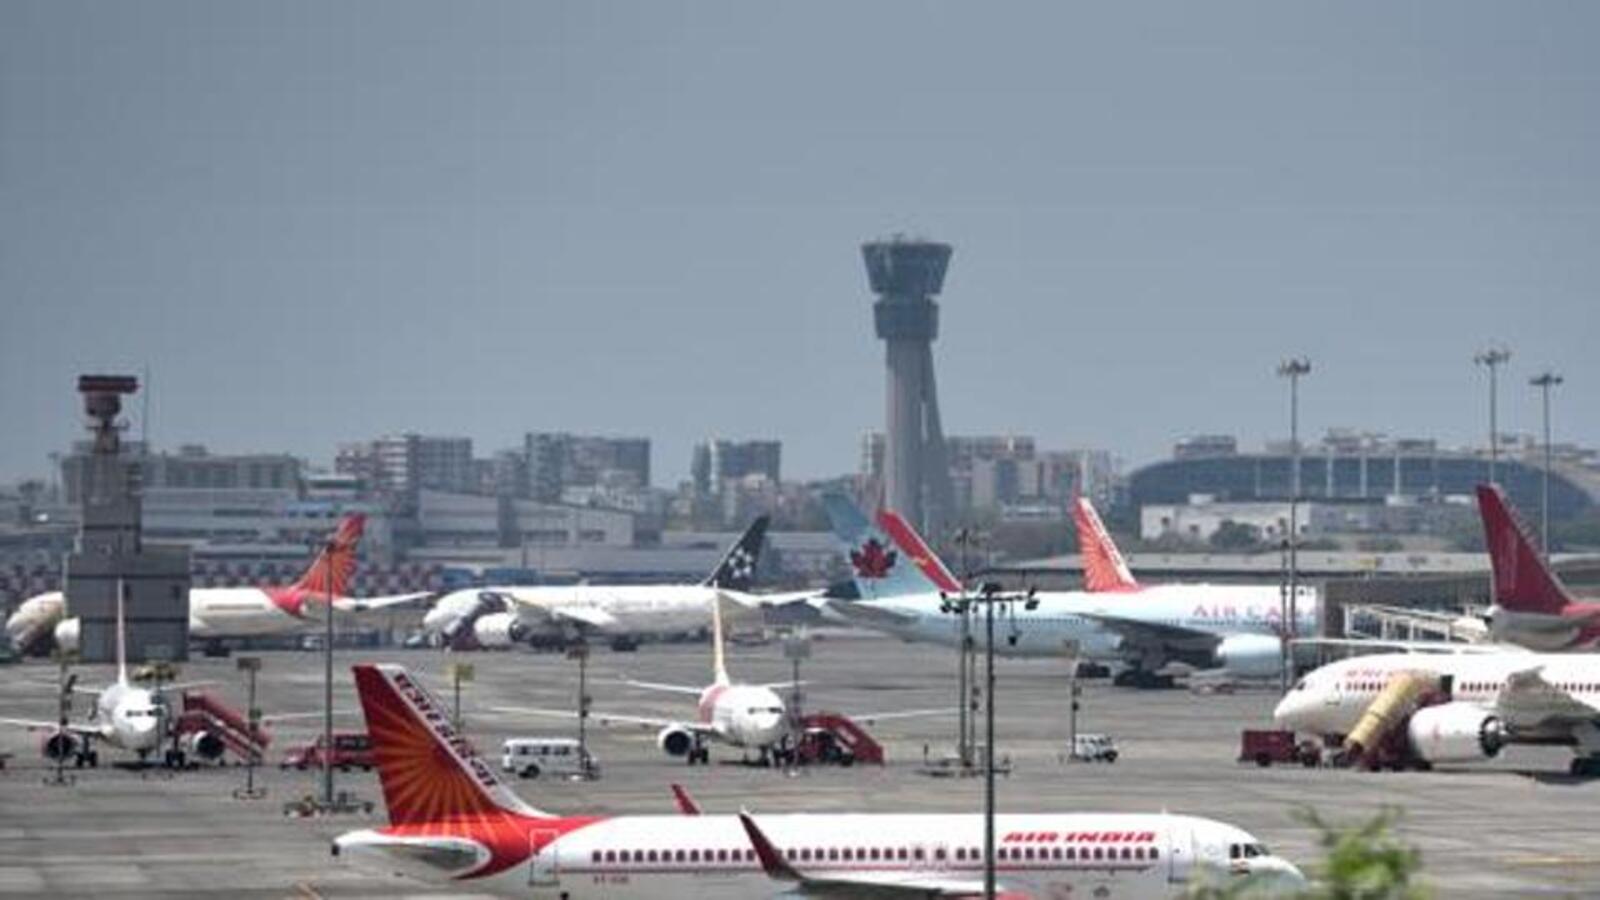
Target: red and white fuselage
pixel 454 821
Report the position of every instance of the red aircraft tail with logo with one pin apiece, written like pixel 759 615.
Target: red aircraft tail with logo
pixel 337 559
pixel 435 784
pixel 1104 569
pixel 1522 580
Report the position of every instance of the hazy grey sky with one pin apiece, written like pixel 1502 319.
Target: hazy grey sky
pixel 319 222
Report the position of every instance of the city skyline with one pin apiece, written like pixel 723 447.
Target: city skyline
pixel 647 221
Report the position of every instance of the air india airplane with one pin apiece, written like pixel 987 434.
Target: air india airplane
pixel 453 821
pixel 216 613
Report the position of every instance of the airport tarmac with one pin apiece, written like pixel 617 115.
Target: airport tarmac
pixel 1485 831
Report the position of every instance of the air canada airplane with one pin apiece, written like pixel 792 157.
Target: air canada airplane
pixel 1452 707
pixel 1532 608
pixel 228 612
pixel 453 821
pixel 497 617
pixel 1228 629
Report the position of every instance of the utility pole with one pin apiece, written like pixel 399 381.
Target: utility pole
pixel 250 665
pixel 459 672
pixel 579 651
pixel 990 595
pixel 1292 369
pixel 1493 358
pixel 330 550
pixel 966 539
pixel 1544 382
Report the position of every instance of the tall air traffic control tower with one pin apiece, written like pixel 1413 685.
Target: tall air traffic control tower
pixel 906 274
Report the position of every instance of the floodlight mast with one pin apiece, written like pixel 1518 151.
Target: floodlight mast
pixel 1544 382
pixel 1493 358
pixel 1292 369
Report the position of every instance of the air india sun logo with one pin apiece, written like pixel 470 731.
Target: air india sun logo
pixel 872 560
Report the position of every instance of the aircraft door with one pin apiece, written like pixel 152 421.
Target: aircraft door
pixel 1180 855
pixel 543 867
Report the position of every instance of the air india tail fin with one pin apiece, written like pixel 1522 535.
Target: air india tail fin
pixel 337 561
pixel 911 543
pixel 1104 569
pixel 430 774
pixel 1522 580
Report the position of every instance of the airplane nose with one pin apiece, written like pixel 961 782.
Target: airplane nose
pixel 1277 874
pixel 1287 712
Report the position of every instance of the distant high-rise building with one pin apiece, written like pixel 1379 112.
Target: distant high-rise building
pixel 717 460
pixel 906 275
pixel 557 460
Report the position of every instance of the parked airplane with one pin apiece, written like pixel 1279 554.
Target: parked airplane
pixel 127 717
pixel 497 617
pixel 1532 608
pixel 452 820
pixel 227 612
pixel 1230 629
pixel 1453 707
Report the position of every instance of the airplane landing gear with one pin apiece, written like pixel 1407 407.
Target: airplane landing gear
pixel 699 753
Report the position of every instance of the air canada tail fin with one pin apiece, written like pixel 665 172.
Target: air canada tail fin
pixel 911 543
pixel 1522 580
pixel 876 563
pixel 736 571
pixel 337 559
pixel 430 774
pixel 1104 569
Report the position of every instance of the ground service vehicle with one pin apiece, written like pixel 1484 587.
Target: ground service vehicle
pixel 1267 746
pixel 549 757
pixel 351 749
pixel 1094 748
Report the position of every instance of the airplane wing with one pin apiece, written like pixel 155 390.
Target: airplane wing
pixel 670 688
pixel 368 604
pixel 584 615
pixel 42 725
pixel 1529 700
pixel 1157 638
pixel 870 614
pixel 1378 645
pixel 604 718
pixel 863 884
pixel 874 718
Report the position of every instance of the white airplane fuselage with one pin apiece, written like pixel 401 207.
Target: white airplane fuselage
pixel 618 609
pixel 1331 700
pixel 129 718
pixel 213 613
pixel 1223 610
pixel 744 715
pixel 711 856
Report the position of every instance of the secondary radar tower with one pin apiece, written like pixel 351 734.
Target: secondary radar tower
pixel 906 274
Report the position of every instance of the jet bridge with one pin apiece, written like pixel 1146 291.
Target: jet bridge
pixel 1377 621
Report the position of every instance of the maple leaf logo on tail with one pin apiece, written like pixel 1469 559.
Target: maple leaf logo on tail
pixel 873 560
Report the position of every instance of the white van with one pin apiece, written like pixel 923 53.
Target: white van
pixel 548 757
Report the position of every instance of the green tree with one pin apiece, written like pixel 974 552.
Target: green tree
pixel 1365 861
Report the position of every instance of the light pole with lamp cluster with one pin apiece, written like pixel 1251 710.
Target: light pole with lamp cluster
pixel 1544 382
pixel 989 595
pixel 1292 369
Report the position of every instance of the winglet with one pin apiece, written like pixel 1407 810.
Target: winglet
pixel 1104 569
pixel 772 862
pixel 719 666
pixel 686 804
pixel 1522 581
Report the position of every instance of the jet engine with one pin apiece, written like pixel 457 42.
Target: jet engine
pixel 1455 732
pixel 202 745
pixel 67 631
pixel 61 745
pixel 675 740
pixel 499 630
pixel 461 630
pixel 1249 655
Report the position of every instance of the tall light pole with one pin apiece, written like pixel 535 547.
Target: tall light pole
pixel 1493 358
pixel 330 553
pixel 1544 382
pixel 990 595
pixel 1292 369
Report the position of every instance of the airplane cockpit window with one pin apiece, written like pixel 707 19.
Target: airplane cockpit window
pixel 1247 851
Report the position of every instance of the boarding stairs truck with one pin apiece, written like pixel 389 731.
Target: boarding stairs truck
pixel 207 728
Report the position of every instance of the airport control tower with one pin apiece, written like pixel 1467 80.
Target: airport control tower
pixel 906 274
